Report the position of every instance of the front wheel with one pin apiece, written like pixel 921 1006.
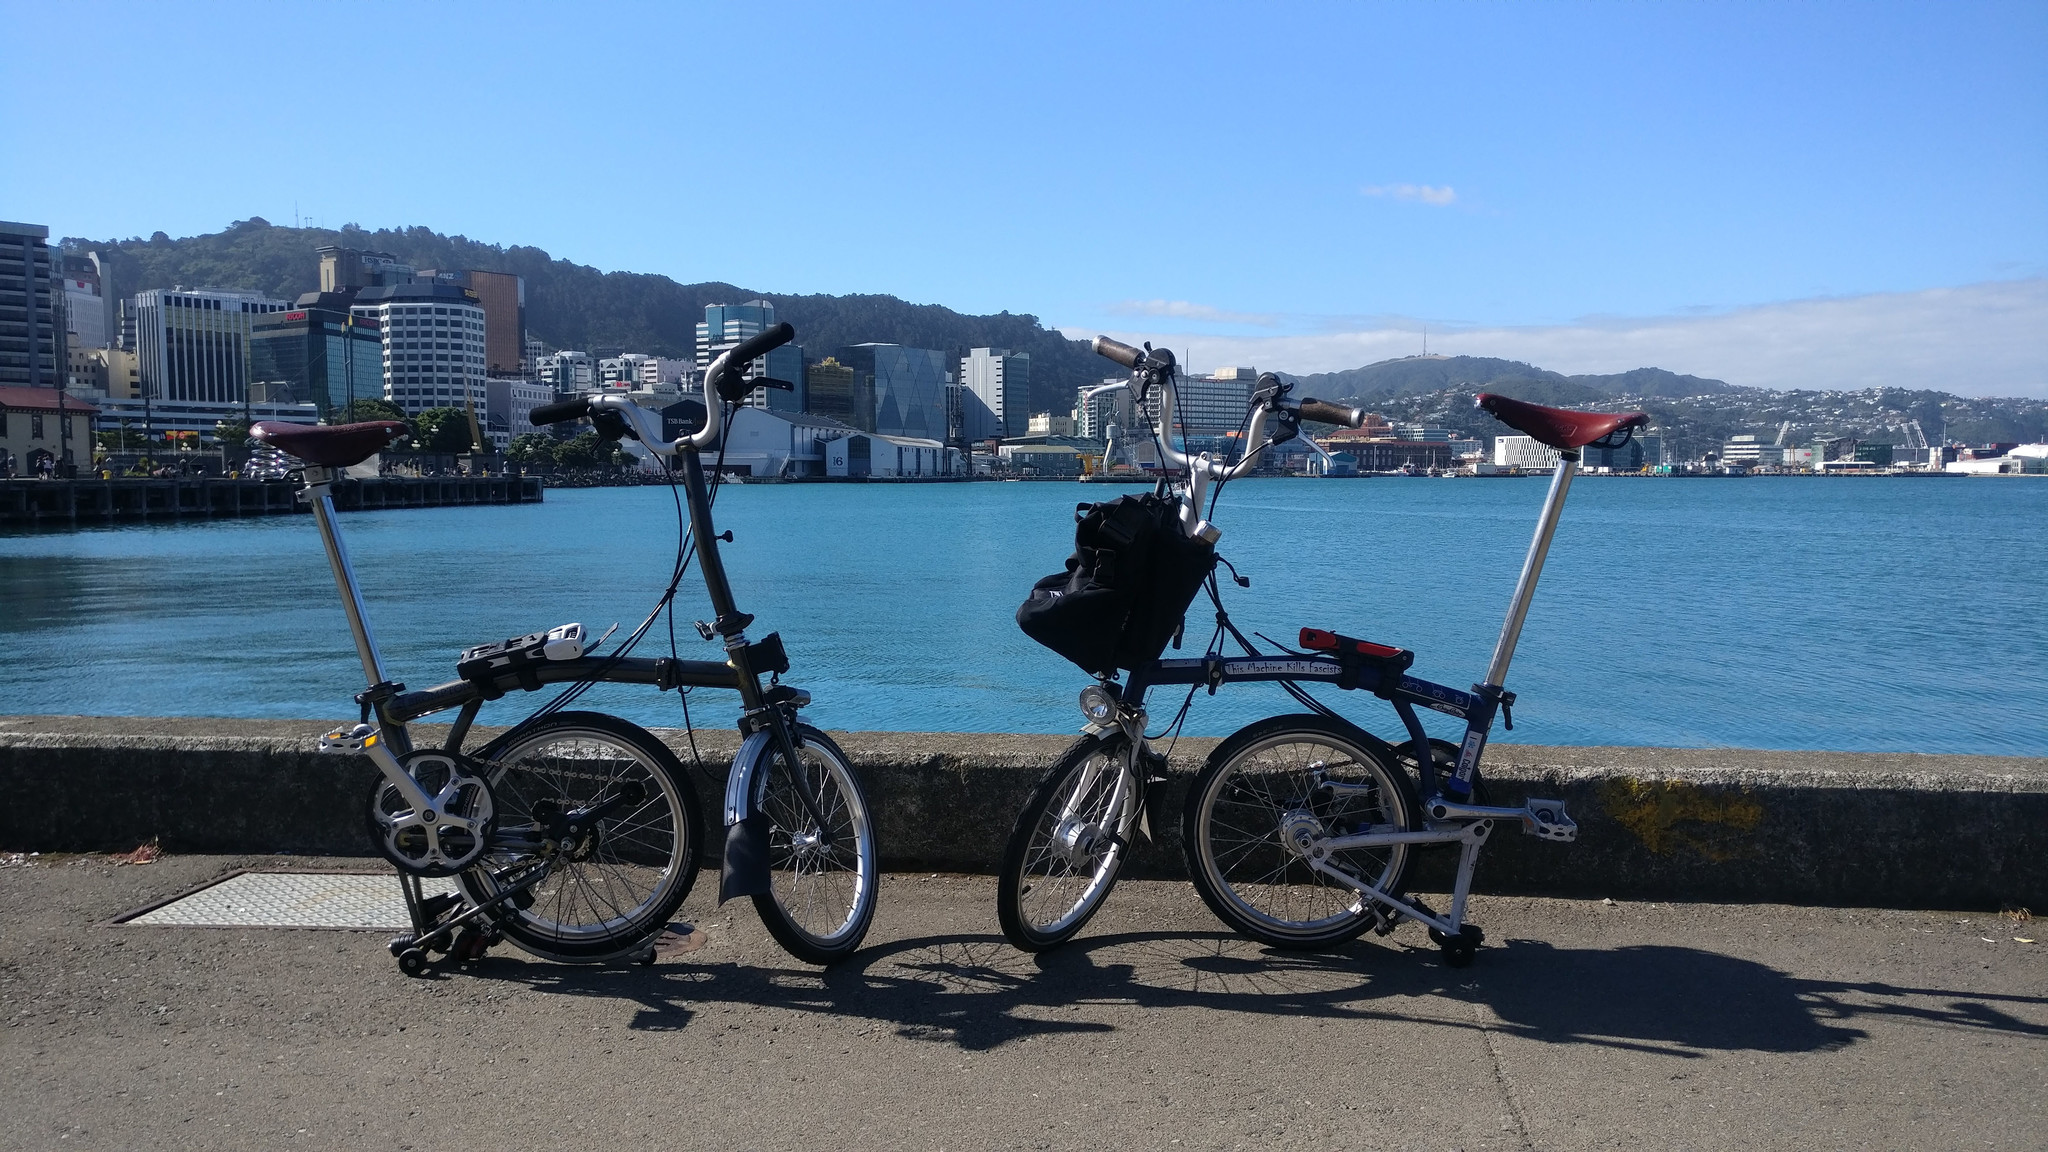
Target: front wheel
pixel 603 890
pixel 1261 809
pixel 1068 843
pixel 821 875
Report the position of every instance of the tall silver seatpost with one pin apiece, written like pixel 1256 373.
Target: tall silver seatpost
pixel 322 500
pixel 1532 567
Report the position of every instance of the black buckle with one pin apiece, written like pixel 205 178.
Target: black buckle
pixel 766 655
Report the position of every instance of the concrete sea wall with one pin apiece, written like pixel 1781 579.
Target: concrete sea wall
pixel 63 503
pixel 1850 829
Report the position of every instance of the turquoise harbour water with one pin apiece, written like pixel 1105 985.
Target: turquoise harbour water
pixel 1904 615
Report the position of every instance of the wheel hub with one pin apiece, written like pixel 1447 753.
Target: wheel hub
pixel 809 845
pixel 1301 832
pixel 1077 841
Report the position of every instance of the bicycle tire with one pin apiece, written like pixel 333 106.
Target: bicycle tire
pixel 1056 842
pixel 632 876
pixel 822 883
pixel 1264 775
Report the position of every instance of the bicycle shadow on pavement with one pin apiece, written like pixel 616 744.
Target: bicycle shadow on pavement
pixel 978 993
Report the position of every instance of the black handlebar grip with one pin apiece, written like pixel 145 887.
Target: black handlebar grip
pixel 1328 413
pixel 754 346
pixel 1118 351
pixel 559 411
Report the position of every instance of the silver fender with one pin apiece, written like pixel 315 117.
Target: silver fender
pixel 745 868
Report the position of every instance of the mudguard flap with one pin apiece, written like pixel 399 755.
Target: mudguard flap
pixel 746 859
pixel 746 831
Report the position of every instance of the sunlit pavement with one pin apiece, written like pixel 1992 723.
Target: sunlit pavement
pixel 1582 1025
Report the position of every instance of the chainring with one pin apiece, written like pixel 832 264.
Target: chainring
pixel 449 836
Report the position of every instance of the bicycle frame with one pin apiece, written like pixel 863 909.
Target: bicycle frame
pixel 766 720
pixel 1450 817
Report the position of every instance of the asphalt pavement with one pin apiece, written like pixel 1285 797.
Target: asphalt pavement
pixel 1583 1024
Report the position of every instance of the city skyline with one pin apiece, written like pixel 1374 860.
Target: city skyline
pixel 1822 196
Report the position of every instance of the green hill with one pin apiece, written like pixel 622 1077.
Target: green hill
pixel 573 305
pixel 1422 375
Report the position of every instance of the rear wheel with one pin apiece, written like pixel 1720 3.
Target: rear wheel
pixel 1268 795
pixel 609 886
pixel 1068 844
pixel 821 876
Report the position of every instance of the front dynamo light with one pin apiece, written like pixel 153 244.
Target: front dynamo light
pixel 1097 704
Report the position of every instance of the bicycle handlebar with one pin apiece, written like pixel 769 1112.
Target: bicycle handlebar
pixel 756 346
pixel 1328 413
pixel 559 412
pixel 1118 351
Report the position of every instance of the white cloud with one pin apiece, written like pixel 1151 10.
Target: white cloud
pixel 1988 339
pixel 1183 310
pixel 1430 194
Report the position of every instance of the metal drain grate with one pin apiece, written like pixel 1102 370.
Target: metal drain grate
pixel 291 900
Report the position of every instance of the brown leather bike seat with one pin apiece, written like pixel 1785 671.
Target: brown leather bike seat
pixel 328 445
pixel 1561 428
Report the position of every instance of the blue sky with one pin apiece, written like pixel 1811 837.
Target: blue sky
pixel 1785 194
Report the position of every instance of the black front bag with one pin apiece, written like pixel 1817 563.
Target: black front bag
pixel 1125 589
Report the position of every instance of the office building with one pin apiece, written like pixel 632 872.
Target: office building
pixel 620 373
pixel 829 392
pixel 638 372
pixel 1210 406
pixel 1421 433
pixel 344 268
pixel 569 372
pixel 433 344
pixel 1751 450
pixel 87 323
pixel 193 343
pixel 1643 450
pixel 318 352
pixel 503 296
pixel 995 396
pixel 1093 418
pixel 725 325
pixel 1524 452
pixel 907 386
pixel 32 342
pixel 508 401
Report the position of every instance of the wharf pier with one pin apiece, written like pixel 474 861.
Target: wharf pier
pixel 1835 829
pixel 66 503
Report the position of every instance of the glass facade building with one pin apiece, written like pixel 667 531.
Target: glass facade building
pixel 317 355
pixel 193 344
pixel 908 386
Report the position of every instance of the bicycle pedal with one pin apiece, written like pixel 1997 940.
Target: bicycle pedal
pixel 1546 820
pixel 352 739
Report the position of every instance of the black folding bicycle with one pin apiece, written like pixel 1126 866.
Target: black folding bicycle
pixel 575 834
pixel 1300 830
